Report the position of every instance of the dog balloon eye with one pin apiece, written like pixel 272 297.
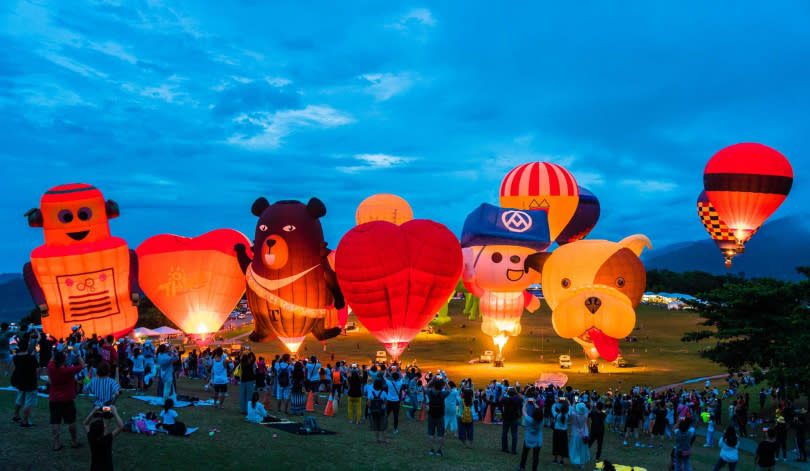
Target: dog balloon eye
pixel 497 257
pixel 263 228
pixel 620 282
pixel 289 228
pixel 566 282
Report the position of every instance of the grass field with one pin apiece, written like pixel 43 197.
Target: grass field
pixel 659 358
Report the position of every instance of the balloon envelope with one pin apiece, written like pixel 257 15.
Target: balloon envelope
pixel 397 277
pixel 717 229
pixel 384 207
pixel 584 219
pixel 195 282
pixel 542 186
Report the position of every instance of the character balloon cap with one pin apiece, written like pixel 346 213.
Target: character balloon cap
pixel 491 225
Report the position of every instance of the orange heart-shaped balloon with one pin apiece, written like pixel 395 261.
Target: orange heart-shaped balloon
pixel 195 282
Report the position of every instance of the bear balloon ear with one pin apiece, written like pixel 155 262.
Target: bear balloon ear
pixel 536 261
pixel 259 206
pixel 316 208
pixel 34 216
pixel 111 208
pixel 636 243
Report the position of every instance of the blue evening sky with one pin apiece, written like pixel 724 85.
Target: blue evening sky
pixel 186 112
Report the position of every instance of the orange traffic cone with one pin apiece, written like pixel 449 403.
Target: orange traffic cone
pixel 488 416
pixel 329 409
pixel 422 413
pixel 310 406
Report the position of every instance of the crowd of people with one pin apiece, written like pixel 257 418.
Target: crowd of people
pixel 377 395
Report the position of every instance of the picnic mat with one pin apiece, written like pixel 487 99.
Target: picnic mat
pixel 11 388
pixel 189 430
pixel 295 428
pixel 158 401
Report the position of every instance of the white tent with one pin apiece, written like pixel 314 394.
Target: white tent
pixel 166 331
pixel 144 332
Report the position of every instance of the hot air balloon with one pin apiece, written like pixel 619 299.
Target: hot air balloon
pixel 584 219
pixel 396 277
pixel 500 247
pixel 290 287
pixel 746 183
pixel 81 275
pixel 717 229
pixel 195 282
pixel 384 207
pixel 542 186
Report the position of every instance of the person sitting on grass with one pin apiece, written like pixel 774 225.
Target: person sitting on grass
pixel 104 388
pixel 168 419
pixel 100 436
pixel 256 412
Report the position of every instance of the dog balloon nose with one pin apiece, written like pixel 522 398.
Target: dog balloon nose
pixel 593 304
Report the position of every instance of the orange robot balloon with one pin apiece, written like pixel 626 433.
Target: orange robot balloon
pixel 82 274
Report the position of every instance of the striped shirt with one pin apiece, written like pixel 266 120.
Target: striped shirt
pixel 104 389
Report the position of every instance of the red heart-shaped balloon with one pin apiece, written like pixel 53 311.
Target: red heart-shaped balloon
pixel 195 282
pixel 396 278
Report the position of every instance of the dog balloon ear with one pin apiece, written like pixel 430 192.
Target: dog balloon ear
pixel 34 216
pixel 111 208
pixel 636 243
pixel 536 261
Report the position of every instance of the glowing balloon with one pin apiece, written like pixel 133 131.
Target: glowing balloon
pixel 746 183
pixel 584 219
pixel 542 186
pixel 81 275
pixel 593 288
pixel 397 277
pixel 718 230
pixel 291 287
pixel 384 207
pixel 195 282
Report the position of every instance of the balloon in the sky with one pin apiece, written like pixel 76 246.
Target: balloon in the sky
pixel 746 183
pixel 195 282
pixel 584 219
pixel 542 186
pixel 397 277
pixel 384 207
pixel 81 275
pixel 290 285
pixel 717 229
pixel 500 248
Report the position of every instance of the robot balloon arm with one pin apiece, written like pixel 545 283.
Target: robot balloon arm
pixel 134 287
pixel 33 287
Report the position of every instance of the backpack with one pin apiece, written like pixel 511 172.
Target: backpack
pixel 466 414
pixel 284 377
pixel 311 425
pixel 376 406
pixel 336 376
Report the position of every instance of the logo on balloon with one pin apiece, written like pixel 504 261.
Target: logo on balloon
pixel 516 221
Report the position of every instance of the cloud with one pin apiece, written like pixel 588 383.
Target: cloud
pixel 385 86
pixel 75 66
pixel 417 16
pixel 270 128
pixel 255 96
pixel 649 186
pixel 375 161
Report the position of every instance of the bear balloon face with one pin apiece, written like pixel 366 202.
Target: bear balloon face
pixel 73 214
pixel 501 268
pixel 593 287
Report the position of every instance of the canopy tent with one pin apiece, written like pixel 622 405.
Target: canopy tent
pixel 144 332
pixel 166 331
pixel 557 379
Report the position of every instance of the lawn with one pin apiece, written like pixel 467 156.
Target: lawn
pixel 658 358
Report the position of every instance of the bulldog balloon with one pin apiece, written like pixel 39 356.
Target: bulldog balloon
pixel 593 288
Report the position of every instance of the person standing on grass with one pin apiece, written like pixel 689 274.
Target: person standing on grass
pixel 634 416
pixel 61 397
pixel 729 450
pixel 683 445
pixel 298 394
pixel 578 451
pixel 377 414
pixel 283 383
pixel 511 405
pixel 451 410
pixel 5 349
pixel 313 370
pixel 247 379
pixel 465 419
pixel 165 360
pixel 765 456
pixel 659 425
pixel 597 430
pixel 219 377
pixel 138 369
pixel 24 378
pixel 559 443
pixel 100 435
pixel 533 437
pixel 355 394
pixel 393 387
pixel 104 389
pixel 435 396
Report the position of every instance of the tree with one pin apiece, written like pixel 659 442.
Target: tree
pixel 149 315
pixel 761 324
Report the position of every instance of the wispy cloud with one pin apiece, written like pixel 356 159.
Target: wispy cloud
pixel 385 86
pixel 73 65
pixel 375 161
pixel 272 127
pixel 417 16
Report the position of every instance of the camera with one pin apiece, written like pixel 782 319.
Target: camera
pixel 106 409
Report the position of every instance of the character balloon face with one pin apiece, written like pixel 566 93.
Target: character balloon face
pixel 73 214
pixel 593 287
pixel 501 268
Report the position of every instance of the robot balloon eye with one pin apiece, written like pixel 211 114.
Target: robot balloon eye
pixel 84 214
pixel 65 216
